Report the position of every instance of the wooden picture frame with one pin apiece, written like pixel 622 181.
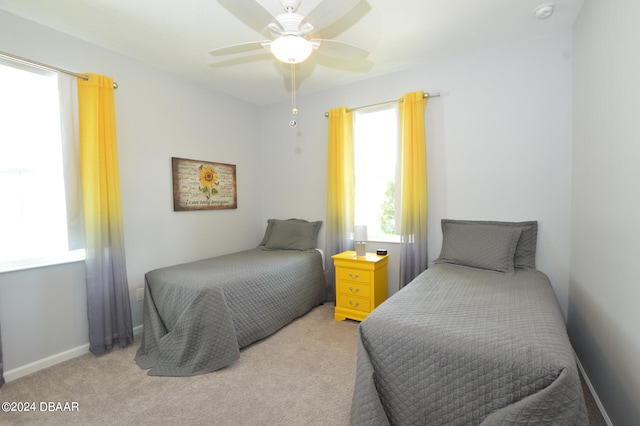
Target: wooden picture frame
pixel 203 185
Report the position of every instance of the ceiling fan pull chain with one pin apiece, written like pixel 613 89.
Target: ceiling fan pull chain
pixel 294 110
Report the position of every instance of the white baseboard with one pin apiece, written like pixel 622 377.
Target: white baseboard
pixel 52 360
pixel 47 362
pixel 593 392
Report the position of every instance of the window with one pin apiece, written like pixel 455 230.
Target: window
pixel 33 217
pixel 376 148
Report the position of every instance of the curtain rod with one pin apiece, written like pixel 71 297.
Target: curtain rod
pixel 426 96
pixel 36 64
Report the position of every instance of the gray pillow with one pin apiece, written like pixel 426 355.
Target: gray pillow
pixel 293 235
pixel 525 257
pixel 479 246
pixel 270 222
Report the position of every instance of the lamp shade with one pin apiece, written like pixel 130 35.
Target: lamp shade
pixel 291 49
pixel 360 233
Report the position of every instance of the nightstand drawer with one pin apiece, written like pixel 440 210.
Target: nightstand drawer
pixel 350 288
pixel 356 275
pixel 352 302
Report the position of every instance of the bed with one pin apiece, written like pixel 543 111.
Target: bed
pixel 478 338
pixel 198 315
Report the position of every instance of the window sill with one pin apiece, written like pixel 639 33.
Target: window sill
pixel 20 265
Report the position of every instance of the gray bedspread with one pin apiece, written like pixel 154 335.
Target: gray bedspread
pixel 462 346
pixel 197 316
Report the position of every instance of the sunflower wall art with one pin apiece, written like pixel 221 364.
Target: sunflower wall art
pixel 202 185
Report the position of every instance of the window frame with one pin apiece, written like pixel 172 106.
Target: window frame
pixel 55 258
pixel 382 237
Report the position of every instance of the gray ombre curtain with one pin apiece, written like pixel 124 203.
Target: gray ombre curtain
pixel 108 306
pixel 1 362
pixel 413 192
pixel 340 191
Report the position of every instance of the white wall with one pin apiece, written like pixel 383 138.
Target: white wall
pixel 604 318
pixel 498 145
pixel 159 116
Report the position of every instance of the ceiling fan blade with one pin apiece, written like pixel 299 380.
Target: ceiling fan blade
pixel 327 12
pixel 241 48
pixel 341 50
pixel 251 12
pixel 242 60
pixel 359 66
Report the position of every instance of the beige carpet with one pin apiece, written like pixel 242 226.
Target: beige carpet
pixel 302 375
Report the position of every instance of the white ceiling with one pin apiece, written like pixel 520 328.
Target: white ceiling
pixel 399 34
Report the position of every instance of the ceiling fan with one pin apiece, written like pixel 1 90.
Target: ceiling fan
pixel 292 36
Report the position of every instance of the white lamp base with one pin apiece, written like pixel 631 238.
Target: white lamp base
pixel 361 249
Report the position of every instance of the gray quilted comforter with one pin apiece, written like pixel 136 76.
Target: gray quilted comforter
pixel 462 346
pixel 197 316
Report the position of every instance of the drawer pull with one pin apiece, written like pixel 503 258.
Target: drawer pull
pixel 351 275
pixel 355 305
pixel 354 291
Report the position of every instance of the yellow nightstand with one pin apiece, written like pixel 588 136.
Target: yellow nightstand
pixel 361 284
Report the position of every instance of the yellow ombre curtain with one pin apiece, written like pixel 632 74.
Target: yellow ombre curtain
pixel 340 191
pixel 413 189
pixel 108 306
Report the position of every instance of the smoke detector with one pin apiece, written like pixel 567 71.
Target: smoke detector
pixel 544 11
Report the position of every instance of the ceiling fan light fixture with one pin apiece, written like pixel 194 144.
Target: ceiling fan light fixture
pixel 291 49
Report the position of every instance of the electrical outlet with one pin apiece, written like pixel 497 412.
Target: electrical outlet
pixel 139 294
